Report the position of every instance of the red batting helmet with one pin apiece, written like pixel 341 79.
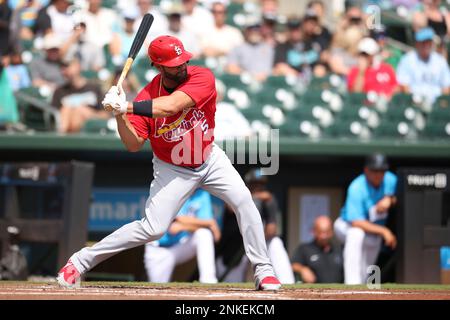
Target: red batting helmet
pixel 168 51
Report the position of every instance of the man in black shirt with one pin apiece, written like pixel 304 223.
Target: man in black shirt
pixel 319 261
pixel 78 100
pixel 5 18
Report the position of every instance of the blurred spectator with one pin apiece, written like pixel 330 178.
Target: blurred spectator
pixel 254 56
pixel 17 72
pixel 269 7
pixel 315 32
pixel 5 19
pixel 100 23
pixel 192 233
pixel 196 19
pixel 222 38
pixel 432 14
pixel 190 41
pixel 45 71
pixel 9 114
pixel 160 24
pixel 361 226
pixel 78 100
pixel 91 56
pixel 230 122
pixel 55 18
pixel 389 54
pixel 295 57
pixel 344 51
pixel 231 262
pixel 344 48
pixel 424 72
pixel 371 74
pixel 22 22
pixel 130 84
pixel 269 30
pixel 123 37
pixel 319 261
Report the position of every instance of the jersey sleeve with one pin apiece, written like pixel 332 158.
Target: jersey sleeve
pixel 201 86
pixel 354 205
pixel 390 185
pixel 141 124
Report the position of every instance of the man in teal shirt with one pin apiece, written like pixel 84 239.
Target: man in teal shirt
pixel 361 226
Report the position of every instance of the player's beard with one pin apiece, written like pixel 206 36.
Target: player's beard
pixel 179 77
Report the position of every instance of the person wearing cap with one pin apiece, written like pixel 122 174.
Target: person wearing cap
pixel 361 225
pixel 123 36
pixel 389 54
pixel 77 100
pixel 314 32
pixel 175 112
pixel 91 56
pixel 45 71
pixel 160 23
pixel 423 71
pixel 222 38
pixel 192 43
pixel 295 57
pixel 371 74
pixel 254 56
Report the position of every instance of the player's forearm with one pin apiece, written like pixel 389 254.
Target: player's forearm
pixel 161 107
pixel 369 227
pixel 128 135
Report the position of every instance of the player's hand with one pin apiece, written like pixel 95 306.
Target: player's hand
pixel 389 239
pixel 215 230
pixel 384 204
pixel 115 100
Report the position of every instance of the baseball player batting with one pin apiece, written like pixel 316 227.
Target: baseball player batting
pixel 175 111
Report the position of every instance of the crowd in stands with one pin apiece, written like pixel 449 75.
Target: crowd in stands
pixel 256 43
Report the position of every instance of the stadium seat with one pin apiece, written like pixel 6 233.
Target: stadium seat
pixel 357 99
pixel 347 129
pixel 392 129
pixel 439 130
pixel 99 126
pixel 440 110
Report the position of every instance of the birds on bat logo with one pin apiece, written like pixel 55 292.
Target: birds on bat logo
pixel 178 50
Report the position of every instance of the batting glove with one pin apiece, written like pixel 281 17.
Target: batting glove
pixel 115 100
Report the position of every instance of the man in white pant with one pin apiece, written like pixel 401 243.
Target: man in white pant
pixel 361 226
pixel 192 233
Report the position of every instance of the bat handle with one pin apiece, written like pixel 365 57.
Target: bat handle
pixel 122 77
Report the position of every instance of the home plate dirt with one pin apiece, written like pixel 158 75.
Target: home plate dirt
pixel 110 291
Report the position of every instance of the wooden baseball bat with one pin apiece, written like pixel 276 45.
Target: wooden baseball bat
pixel 138 41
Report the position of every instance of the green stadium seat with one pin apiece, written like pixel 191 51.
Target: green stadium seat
pixel 276 82
pixel 90 74
pixel 357 99
pixel 440 110
pixel 346 129
pixel 390 129
pixel 232 81
pixel 438 130
pixel 111 4
pixel 99 126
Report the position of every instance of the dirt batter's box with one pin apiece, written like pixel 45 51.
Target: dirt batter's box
pixel 423 223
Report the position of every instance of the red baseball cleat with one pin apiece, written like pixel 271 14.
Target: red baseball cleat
pixel 69 276
pixel 269 283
